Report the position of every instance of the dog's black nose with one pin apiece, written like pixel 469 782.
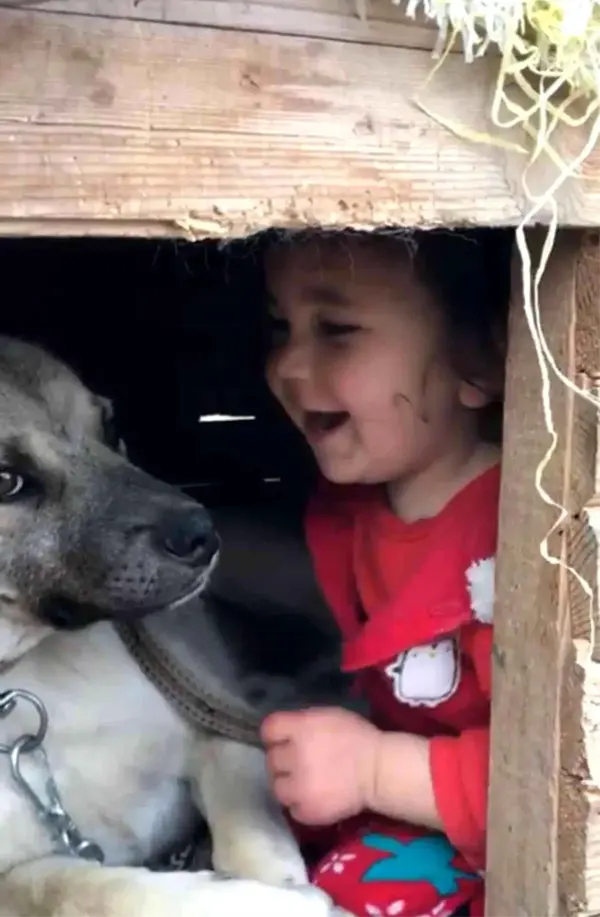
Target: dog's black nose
pixel 189 536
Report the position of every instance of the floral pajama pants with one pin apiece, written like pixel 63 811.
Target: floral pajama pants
pixel 385 869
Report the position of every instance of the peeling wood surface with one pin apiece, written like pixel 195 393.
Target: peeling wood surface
pixel 192 131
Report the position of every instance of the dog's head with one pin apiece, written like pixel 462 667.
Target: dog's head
pixel 84 535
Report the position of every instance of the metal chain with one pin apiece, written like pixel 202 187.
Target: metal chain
pixel 51 812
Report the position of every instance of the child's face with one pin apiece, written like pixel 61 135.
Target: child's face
pixel 359 360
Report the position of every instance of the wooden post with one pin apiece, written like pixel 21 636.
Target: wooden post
pixel 544 811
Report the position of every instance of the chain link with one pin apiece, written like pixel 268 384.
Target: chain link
pixel 50 811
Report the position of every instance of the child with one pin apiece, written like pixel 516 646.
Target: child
pixel 387 356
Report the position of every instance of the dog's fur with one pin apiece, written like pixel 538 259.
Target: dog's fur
pixel 86 539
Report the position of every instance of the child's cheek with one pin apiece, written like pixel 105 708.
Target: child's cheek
pixel 350 379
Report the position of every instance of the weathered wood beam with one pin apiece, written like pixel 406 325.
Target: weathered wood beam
pixel 173 129
pixel 378 22
pixel 544 814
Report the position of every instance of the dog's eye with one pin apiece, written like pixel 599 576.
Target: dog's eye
pixel 11 484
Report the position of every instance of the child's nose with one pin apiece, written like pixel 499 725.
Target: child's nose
pixel 294 361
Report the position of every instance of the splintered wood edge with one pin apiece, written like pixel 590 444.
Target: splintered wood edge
pixel 579 798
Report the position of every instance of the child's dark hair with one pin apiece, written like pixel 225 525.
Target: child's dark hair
pixel 469 273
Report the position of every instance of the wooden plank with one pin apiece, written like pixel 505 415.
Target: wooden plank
pixel 579 798
pixel 211 132
pixel 378 22
pixel 528 654
pixel 544 816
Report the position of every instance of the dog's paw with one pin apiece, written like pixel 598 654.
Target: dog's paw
pixel 272 859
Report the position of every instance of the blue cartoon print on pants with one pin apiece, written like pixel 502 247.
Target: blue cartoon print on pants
pixel 419 859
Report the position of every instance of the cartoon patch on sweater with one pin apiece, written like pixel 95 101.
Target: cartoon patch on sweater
pixel 428 675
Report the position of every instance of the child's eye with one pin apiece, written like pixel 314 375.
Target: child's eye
pixel 335 329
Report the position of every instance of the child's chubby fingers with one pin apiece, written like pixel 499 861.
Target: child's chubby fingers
pixel 279 728
pixel 281 759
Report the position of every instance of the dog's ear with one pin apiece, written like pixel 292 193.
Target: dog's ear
pixel 110 433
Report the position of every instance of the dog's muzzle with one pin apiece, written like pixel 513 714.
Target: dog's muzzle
pixel 162 565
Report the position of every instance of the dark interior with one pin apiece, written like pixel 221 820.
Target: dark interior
pixel 170 331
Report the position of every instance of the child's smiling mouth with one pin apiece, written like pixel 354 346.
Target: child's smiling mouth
pixel 317 425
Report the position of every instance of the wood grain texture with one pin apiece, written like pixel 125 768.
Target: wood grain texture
pixel 544 813
pixel 216 132
pixel 378 22
pixel 579 796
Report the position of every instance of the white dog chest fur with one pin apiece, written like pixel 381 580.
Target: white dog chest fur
pixel 117 754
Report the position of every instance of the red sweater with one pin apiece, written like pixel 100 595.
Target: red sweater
pixel 414 603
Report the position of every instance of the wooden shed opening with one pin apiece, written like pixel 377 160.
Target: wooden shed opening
pixel 172 332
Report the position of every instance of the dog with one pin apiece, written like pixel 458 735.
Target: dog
pixel 86 540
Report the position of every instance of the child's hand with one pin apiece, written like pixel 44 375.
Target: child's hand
pixel 322 762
